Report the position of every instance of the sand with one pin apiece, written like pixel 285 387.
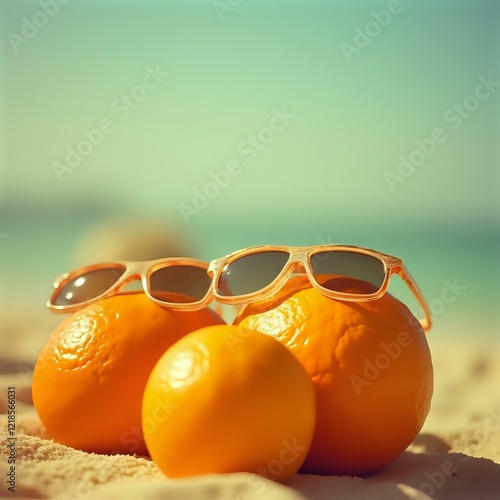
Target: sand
pixel 456 456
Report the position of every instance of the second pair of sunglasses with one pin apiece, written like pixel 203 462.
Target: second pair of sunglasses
pixel 240 277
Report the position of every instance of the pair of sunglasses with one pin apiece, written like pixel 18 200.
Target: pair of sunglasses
pixel 240 277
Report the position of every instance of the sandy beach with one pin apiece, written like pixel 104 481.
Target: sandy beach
pixel 456 455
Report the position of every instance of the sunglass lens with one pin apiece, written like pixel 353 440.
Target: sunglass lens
pixel 87 286
pixel 179 284
pixel 251 273
pixel 344 271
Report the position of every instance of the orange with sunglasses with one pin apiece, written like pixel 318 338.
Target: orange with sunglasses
pixel 90 376
pixel 257 273
pixel 335 316
pixel 365 352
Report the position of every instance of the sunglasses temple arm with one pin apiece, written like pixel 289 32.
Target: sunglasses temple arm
pixel 405 275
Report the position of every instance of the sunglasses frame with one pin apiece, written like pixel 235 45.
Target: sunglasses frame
pixel 300 261
pixel 134 270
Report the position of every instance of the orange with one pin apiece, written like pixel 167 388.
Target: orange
pixel 90 376
pixel 371 368
pixel 224 399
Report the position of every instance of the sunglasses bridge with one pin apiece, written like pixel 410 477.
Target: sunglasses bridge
pixel 136 279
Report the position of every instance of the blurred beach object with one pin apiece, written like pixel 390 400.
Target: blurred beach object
pixel 122 238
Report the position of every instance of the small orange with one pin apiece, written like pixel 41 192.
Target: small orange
pixel 90 376
pixel 224 399
pixel 371 367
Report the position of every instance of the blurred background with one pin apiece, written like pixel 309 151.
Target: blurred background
pixel 201 127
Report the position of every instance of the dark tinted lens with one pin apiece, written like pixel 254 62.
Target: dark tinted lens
pixel 251 273
pixel 87 286
pixel 346 271
pixel 179 284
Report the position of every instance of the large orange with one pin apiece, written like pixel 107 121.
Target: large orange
pixel 224 399
pixel 90 376
pixel 371 367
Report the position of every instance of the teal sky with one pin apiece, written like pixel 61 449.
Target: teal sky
pixel 426 77
pixel 353 119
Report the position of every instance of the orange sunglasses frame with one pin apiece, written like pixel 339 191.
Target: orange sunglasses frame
pixel 133 271
pixel 300 261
